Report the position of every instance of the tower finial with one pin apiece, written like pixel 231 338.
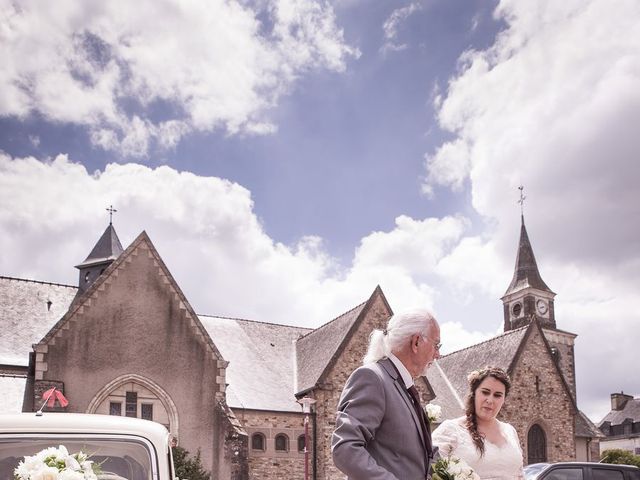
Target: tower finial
pixel 521 199
pixel 111 211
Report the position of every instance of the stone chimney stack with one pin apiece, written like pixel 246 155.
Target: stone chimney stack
pixel 619 400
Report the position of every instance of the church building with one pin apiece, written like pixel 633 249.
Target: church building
pixel 126 341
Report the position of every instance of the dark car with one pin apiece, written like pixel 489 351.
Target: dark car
pixel 581 471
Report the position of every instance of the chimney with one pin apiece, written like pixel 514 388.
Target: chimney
pixel 619 400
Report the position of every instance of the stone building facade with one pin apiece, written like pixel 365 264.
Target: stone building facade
pixel 126 341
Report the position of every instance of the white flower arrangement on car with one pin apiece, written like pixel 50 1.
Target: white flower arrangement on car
pixel 434 412
pixel 55 464
pixel 453 468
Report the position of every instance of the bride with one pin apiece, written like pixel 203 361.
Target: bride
pixel 486 444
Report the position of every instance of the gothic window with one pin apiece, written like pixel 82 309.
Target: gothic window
pixel 301 443
pixel 131 402
pixel 115 408
pixel 536 445
pixel 282 443
pixel 258 442
pixel 146 411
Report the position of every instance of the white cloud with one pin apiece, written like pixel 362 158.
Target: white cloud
pixel 209 236
pixel 213 62
pixel 392 24
pixel 554 104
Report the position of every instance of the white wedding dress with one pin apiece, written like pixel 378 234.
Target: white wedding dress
pixel 498 462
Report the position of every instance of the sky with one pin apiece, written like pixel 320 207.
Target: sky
pixel 287 156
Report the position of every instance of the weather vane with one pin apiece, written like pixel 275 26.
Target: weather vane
pixel 111 211
pixel 522 199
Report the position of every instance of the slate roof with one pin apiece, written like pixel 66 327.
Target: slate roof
pixel 586 428
pixel 25 315
pixel 11 393
pixel 315 351
pixel 526 273
pixel 617 417
pixel 260 374
pixel 448 375
pixel 108 248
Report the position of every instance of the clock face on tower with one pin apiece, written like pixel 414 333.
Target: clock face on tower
pixel 541 305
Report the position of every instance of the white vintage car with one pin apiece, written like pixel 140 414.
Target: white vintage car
pixel 123 448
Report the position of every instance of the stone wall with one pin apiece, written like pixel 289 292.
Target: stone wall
pixel 269 464
pixel 545 402
pixel 136 322
pixel 328 394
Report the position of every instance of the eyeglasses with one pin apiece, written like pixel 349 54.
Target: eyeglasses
pixel 436 345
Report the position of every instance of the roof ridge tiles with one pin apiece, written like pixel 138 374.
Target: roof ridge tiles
pixel 504 334
pixel 313 330
pixel 252 321
pixel 42 282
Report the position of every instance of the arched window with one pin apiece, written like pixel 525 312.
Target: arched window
pixel 282 443
pixel 258 442
pixel 536 445
pixel 301 443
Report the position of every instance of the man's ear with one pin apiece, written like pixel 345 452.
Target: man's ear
pixel 415 339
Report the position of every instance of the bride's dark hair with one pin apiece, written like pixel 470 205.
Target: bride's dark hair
pixel 475 378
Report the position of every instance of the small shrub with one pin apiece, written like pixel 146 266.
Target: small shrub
pixel 620 456
pixel 188 467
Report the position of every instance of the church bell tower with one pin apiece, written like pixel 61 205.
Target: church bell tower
pixel 527 297
pixel 106 250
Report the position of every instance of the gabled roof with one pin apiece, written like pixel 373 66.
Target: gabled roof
pixel 317 351
pixel 586 428
pixel 29 309
pixel 631 410
pixel 260 374
pixel 108 248
pixel 526 274
pixel 141 243
pixel 448 375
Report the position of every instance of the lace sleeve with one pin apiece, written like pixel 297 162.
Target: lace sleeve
pixel 446 437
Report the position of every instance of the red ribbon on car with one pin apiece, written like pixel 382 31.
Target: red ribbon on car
pixel 51 395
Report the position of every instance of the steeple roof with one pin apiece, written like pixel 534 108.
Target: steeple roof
pixel 526 274
pixel 107 249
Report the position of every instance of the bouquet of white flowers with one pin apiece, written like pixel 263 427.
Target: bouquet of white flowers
pixel 55 464
pixel 452 468
pixel 434 412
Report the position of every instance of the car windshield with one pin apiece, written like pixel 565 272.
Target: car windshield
pixel 530 471
pixel 114 458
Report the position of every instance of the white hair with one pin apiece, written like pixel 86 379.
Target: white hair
pixel 400 328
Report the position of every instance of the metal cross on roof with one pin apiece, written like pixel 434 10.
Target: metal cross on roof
pixel 522 199
pixel 111 211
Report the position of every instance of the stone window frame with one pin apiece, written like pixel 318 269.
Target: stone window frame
pixel 263 441
pixel 281 448
pixel 303 438
pixel 545 430
pixel 270 434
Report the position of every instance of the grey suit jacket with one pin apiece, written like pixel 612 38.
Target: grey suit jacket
pixel 378 434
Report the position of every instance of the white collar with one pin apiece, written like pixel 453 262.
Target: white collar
pixel 404 373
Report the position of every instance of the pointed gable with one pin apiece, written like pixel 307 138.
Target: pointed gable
pixel 142 245
pixel 318 350
pixel 448 375
pixel 526 274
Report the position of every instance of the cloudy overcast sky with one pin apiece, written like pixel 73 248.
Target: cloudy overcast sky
pixel 287 156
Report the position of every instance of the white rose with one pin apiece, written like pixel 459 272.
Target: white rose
pixel 70 475
pixel 434 412
pixel 45 473
pixel 71 463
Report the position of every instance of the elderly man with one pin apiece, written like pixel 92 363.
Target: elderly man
pixel 382 432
